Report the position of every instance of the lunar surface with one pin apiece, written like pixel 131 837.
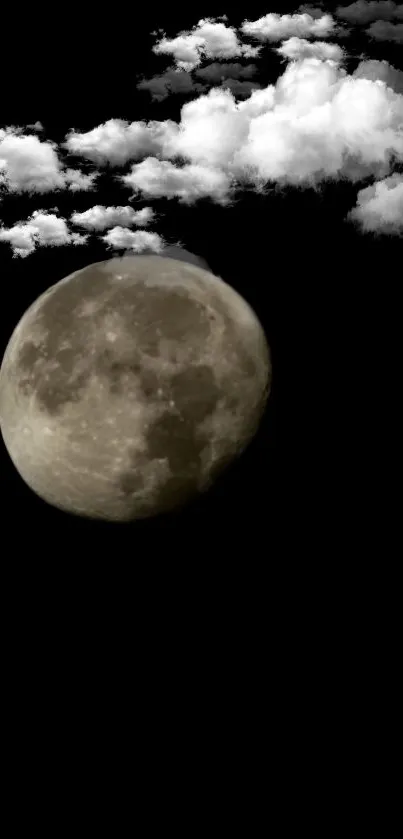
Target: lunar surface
pixel 128 386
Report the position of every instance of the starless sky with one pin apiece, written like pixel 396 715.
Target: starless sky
pixel 268 141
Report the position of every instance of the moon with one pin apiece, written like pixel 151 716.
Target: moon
pixel 128 386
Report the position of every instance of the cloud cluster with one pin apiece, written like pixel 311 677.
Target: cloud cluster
pixel 28 164
pixel 208 39
pixel 100 218
pixel 317 123
pixel 41 228
pixel 380 15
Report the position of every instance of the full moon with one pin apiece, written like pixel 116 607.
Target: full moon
pixel 128 386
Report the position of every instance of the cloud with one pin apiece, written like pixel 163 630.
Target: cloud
pixel 41 229
pixel 239 89
pixel 162 179
pixel 172 81
pixel 28 164
pixel 274 27
pixel 117 141
pixel 380 207
pixel 36 126
pixel 217 71
pixel 366 12
pixel 175 81
pixel 77 181
pixel 137 241
pixel 382 71
pixel 295 49
pixel 384 31
pixel 208 39
pixel 232 75
pixel 100 218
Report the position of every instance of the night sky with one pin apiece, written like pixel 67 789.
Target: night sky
pixel 307 226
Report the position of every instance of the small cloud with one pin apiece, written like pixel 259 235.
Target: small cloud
pixel 40 229
pixel 295 49
pixel 173 81
pixel 380 207
pixel 362 12
pixel 162 179
pixel 274 27
pixel 100 218
pixel 28 164
pixel 238 88
pixel 139 240
pixel 77 181
pixel 217 71
pixel 208 39
pixel 116 141
pixel 382 30
pixel 36 126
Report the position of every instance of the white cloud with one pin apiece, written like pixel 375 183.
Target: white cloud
pixel 28 164
pixel 100 217
pixel 161 178
pixel 208 39
pixel 137 241
pixel 42 228
pixel 380 207
pixel 274 27
pixel 77 181
pixel 295 49
pixel 117 141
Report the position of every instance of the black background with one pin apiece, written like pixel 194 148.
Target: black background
pixel 323 291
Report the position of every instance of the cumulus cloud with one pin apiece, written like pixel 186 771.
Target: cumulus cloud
pixel 117 141
pixel 162 179
pixel 382 71
pixel 380 207
pixel 317 123
pixel 100 217
pixel 42 228
pixel 274 27
pixel 137 241
pixel 209 39
pixel 295 48
pixel 366 12
pixel 28 164
pixel 382 30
